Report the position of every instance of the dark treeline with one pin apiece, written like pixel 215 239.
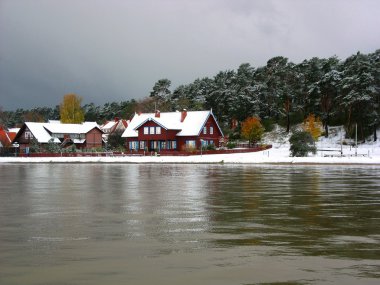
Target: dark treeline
pixel 340 92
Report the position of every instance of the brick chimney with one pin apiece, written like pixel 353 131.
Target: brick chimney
pixel 157 114
pixel 183 115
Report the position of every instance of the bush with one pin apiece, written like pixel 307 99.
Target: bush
pixel 34 146
pixel 210 147
pixel 189 148
pixel 52 147
pixel 115 140
pixel 301 143
pixel 231 145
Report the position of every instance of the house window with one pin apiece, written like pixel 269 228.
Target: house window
pixel 211 130
pixel 142 144
pixel 151 130
pixel 205 130
pixel 163 145
pixel 190 144
pixel 133 145
pixel 28 135
pixel 158 130
pixel 146 130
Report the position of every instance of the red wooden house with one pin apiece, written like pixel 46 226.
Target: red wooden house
pixel 172 131
pixel 84 136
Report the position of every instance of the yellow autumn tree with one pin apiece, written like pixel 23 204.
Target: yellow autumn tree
pixel 70 109
pixel 252 130
pixel 313 125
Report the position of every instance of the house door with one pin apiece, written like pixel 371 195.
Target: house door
pixel 153 145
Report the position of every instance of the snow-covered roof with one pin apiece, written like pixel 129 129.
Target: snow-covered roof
pixel 194 123
pixel 13 130
pixel 108 125
pixel 39 132
pixel 70 128
pixel 191 126
pixel 115 125
pixel 6 136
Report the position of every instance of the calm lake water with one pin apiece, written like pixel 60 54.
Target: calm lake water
pixel 189 224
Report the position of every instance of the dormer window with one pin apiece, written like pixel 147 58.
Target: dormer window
pixel 158 130
pixel 211 130
pixel 205 130
pixel 146 130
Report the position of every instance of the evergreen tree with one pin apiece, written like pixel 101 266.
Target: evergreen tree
pixel 358 93
pixel 326 90
pixel 245 103
pixel 375 110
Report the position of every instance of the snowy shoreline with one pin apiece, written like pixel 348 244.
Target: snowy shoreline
pixel 272 156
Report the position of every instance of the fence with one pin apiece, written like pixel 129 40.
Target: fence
pixel 142 153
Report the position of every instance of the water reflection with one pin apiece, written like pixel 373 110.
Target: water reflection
pixel 198 219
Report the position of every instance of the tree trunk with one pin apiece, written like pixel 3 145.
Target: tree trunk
pixel 374 133
pixel 287 122
pixel 327 126
pixel 287 110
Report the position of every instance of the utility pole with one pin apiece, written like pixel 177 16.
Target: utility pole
pixel 341 141
pixel 356 139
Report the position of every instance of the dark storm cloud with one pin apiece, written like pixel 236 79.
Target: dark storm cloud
pixel 116 50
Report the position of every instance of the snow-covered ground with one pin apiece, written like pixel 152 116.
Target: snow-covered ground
pixel 329 152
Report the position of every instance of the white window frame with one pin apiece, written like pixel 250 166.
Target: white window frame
pixel 190 143
pixel 205 130
pixel 146 130
pixel 133 145
pixel 211 130
pixel 28 135
pixel 158 130
pixel 151 130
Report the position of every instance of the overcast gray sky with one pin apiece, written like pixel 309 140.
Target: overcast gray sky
pixel 115 50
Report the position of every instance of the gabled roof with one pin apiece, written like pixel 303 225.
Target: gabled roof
pixel 191 126
pixel 111 126
pixel 39 132
pixel 6 137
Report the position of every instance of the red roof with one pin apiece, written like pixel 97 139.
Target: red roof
pixel 6 138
